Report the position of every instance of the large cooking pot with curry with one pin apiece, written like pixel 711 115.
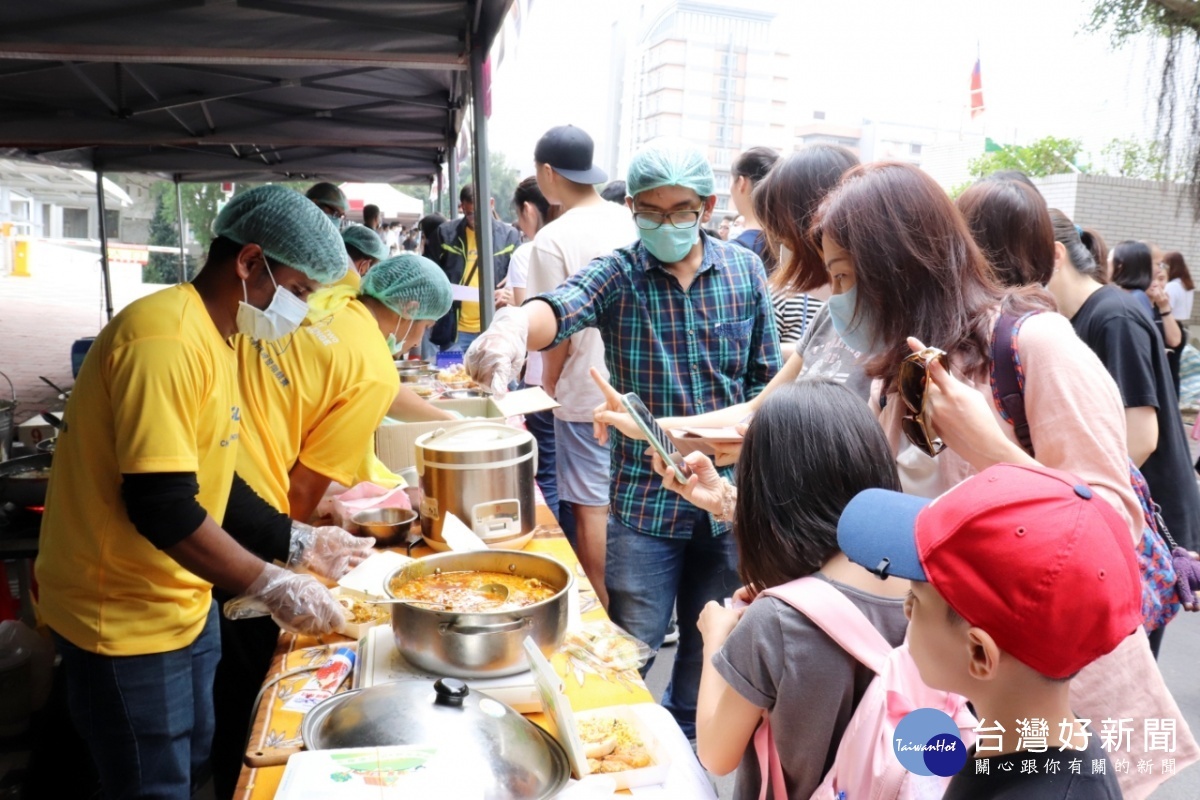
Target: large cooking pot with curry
pixel 461 623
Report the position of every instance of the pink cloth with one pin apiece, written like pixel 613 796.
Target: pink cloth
pixel 364 496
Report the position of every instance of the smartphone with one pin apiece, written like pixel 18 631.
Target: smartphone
pixel 654 432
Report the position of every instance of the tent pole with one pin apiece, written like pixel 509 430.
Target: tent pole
pixel 452 189
pixel 483 192
pixel 179 207
pixel 104 269
pixel 441 192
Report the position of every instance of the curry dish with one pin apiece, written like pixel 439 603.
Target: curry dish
pixel 461 591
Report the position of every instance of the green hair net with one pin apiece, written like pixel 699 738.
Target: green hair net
pixel 669 162
pixel 329 194
pixel 411 285
pixel 290 230
pixel 365 241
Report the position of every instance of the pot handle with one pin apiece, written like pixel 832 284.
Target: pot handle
pixel 484 630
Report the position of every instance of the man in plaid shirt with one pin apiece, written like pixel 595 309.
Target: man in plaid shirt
pixel 687 326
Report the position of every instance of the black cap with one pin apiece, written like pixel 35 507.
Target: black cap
pixel 568 150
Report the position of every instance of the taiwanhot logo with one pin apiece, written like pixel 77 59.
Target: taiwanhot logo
pixel 926 743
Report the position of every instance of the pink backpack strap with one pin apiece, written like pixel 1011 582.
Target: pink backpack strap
pixel 838 617
pixel 768 762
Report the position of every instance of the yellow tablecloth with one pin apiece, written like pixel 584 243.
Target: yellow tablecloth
pixel 276 728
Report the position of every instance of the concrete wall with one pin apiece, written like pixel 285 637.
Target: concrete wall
pixel 1124 208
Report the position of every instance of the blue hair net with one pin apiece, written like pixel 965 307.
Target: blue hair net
pixel 411 285
pixel 365 241
pixel 669 162
pixel 289 228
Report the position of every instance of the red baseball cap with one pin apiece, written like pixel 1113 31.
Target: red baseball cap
pixel 1029 554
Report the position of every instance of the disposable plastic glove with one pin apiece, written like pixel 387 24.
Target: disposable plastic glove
pixel 496 357
pixel 328 551
pixel 297 603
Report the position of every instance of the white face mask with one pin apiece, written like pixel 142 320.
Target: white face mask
pixel 396 346
pixel 282 317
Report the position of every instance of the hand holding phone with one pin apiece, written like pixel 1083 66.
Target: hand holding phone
pixel 655 434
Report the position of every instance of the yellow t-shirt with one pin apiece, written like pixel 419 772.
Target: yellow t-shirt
pixel 157 393
pixel 468 313
pixel 315 397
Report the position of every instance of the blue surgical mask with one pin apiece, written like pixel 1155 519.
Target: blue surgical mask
pixel 859 335
pixel 282 317
pixel 669 244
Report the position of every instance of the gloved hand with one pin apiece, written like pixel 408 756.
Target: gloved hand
pixel 297 603
pixel 330 552
pixel 1187 577
pixel 496 357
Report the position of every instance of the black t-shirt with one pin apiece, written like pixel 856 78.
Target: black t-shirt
pixel 1120 332
pixel 1053 775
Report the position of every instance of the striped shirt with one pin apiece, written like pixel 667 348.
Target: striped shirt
pixel 794 314
pixel 683 352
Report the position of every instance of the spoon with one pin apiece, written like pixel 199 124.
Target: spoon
pixel 496 592
pixel 397 601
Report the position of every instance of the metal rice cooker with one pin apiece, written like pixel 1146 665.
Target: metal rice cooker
pixel 483 473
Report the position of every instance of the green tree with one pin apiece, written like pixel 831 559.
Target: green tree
pixel 1047 156
pixel 502 180
pixel 164 232
pixel 1178 112
pixel 1133 158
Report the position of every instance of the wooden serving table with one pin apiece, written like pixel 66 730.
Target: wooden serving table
pixel 277 729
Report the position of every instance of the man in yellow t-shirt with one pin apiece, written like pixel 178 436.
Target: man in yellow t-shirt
pixel 313 400
pixel 141 520
pixel 458 257
pixel 310 405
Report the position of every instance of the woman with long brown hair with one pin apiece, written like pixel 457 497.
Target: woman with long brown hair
pixel 903 266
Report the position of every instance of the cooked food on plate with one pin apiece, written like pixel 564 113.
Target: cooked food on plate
pixel 358 612
pixel 612 745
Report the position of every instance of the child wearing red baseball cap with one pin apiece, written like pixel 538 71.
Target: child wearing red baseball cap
pixel 1021 577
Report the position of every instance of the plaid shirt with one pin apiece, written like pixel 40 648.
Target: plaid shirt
pixel 683 352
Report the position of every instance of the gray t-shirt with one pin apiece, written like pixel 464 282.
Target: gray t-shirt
pixel 826 356
pixel 779 660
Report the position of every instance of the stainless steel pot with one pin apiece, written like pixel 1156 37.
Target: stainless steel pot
pixel 481 644
pixel 480 747
pixel 483 473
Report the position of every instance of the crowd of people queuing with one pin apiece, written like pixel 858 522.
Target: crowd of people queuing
pixel 936 346
pixel 875 344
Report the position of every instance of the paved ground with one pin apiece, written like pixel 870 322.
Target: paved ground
pixel 42 315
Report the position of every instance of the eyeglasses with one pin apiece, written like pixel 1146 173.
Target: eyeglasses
pixel 651 220
pixel 914 380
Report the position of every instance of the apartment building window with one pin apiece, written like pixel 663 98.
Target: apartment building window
pixel 722 181
pixel 727 86
pixel 914 149
pixel 721 156
pixel 725 110
pixel 725 135
pixel 729 62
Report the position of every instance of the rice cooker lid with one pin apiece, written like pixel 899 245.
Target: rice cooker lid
pixel 475 438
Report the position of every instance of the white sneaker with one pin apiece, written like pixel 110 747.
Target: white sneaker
pixel 672 634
